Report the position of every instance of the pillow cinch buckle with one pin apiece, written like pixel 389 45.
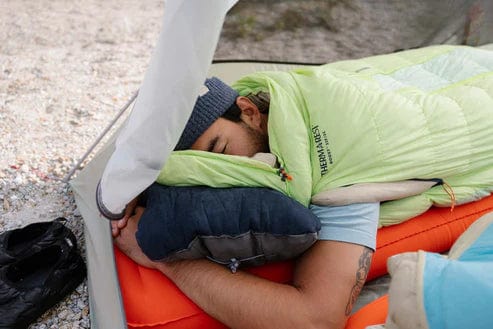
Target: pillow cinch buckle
pixel 234 263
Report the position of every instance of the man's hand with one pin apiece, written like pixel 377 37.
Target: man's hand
pixel 118 225
pixel 126 242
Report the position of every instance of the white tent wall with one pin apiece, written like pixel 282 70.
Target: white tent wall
pixel 105 302
pixel 176 72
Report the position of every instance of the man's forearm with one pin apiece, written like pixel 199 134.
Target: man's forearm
pixel 327 280
pixel 241 300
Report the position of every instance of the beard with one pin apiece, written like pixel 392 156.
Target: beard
pixel 259 141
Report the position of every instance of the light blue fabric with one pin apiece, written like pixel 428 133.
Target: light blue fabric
pixel 481 249
pixel 431 75
pixel 458 293
pixel 355 223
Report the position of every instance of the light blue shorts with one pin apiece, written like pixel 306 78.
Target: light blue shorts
pixel 355 223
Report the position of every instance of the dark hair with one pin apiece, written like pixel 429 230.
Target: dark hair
pixel 261 101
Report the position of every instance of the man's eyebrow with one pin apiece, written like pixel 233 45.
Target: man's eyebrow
pixel 212 144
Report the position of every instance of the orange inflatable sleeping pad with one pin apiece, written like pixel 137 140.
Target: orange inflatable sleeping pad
pixel 152 301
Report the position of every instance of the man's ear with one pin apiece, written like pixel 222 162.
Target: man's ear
pixel 249 112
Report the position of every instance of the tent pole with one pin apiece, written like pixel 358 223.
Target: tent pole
pixel 100 137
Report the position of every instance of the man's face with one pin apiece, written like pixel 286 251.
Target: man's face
pixel 233 138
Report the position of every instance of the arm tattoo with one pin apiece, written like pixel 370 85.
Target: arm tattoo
pixel 363 268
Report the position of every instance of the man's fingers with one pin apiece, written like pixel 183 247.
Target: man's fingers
pixel 121 223
pixel 118 225
pixel 115 231
pixel 129 211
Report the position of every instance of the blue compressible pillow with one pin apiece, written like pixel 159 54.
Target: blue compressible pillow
pixel 231 226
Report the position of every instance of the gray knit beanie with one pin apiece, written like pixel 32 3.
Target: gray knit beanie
pixel 207 109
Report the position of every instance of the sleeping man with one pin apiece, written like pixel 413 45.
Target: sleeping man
pixel 361 143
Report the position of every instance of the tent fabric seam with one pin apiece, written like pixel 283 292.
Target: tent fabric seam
pixel 159 323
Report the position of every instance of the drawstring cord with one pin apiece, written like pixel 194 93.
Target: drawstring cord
pixel 234 263
pixel 451 194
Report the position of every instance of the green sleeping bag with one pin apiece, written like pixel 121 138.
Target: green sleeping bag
pixel 424 114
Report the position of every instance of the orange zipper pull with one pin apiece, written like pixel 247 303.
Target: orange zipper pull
pixel 284 175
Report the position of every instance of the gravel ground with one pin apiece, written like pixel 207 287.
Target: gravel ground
pixel 66 67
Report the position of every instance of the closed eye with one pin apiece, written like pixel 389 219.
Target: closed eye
pixel 212 144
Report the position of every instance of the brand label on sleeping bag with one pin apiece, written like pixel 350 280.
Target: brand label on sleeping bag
pixel 321 143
